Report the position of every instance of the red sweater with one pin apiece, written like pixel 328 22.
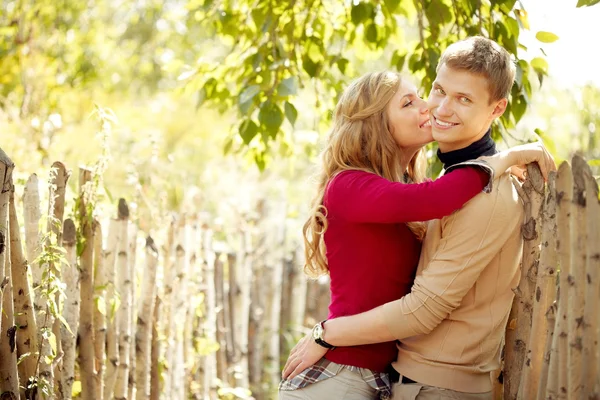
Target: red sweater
pixel 372 255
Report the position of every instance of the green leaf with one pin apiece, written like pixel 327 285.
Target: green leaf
pixel 371 33
pixel 391 4
pixel 587 3
pixel 540 65
pixel 398 60
pixel 271 117
pixel 311 67
pixel 523 18
pixel 248 130
pixel 546 37
pixel 290 112
pixel 287 87
pixel 360 13
pixel 438 13
pixel 342 63
pixel 246 97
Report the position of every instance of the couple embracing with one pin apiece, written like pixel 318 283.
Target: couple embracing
pixel 421 271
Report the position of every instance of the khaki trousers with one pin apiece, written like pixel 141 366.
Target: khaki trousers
pixel 417 391
pixel 346 385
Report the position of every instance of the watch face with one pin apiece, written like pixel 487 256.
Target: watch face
pixel 317 331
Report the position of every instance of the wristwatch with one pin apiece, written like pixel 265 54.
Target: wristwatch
pixel 317 334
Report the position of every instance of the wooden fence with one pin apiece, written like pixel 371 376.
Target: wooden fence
pixel 92 310
pixel 99 312
pixel 552 335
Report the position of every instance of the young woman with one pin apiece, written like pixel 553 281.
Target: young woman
pixel 366 227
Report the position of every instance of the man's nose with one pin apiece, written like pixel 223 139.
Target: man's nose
pixel 444 108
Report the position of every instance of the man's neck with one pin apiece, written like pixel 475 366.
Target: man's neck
pixel 484 146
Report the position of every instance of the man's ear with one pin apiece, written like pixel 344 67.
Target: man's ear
pixel 499 108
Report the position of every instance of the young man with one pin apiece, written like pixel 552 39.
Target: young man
pixel 451 325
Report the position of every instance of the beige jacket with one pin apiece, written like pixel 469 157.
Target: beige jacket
pixel 451 325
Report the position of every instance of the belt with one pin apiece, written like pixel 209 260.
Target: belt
pixel 396 377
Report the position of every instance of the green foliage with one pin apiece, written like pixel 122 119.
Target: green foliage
pixel 277 50
pixel 587 3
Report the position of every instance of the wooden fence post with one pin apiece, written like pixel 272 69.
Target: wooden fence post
pixel 112 327
pixel 545 294
pixel 519 325
pixel 9 377
pixel 124 313
pixel 544 315
pixel 100 311
pixel 27 344
pixel 145 322
pixel 564 195
pixel 133 313
pixel 591 347
pixel 86 319
pixel 577 282
pixel 70 276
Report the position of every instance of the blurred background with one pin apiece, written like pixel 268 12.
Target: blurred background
pixel 219 107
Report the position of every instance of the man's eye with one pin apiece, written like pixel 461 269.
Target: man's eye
pixel 465 100
pixel 439 91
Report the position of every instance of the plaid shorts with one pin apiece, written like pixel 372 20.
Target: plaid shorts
pixel 325 369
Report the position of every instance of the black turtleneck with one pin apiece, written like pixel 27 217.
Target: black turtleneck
pixel 483 147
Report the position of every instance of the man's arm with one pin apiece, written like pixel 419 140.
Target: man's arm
pixel 472 237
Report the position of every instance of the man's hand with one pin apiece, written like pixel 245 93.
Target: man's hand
pixel 305 354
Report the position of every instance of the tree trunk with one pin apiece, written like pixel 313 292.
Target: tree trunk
pixel 241 305
pixel 131 393
pixel 86 316
pixel 519 325
pixel 145 322
pixel 545 294
pixel 124 312
pixel 155 353
pixel 564 195
pixel 112 332
pixel 9 376
pixel 591 355
pixel 27 344
pixel 100 312
pixel 71 310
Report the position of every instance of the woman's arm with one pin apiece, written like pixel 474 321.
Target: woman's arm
pixel 363 197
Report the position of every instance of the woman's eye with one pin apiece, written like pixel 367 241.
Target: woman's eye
pixel 407 104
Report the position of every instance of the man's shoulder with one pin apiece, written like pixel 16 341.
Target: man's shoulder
pixel 503 202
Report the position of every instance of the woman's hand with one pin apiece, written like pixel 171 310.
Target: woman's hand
pixel 305 354
pixel 519 157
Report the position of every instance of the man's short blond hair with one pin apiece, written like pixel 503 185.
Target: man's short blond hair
pixel 483 57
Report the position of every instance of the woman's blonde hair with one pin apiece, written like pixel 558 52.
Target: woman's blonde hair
pixel 360 139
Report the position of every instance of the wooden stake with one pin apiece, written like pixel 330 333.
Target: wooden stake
pixel 521 314
pixel 124 312
pixel 545 294
pixel 112 327
pixel 27 344
pixel 591 348
pixel 145 322
pixel 86 318
pixel 100 311
pixel 9 377
pixel 71 310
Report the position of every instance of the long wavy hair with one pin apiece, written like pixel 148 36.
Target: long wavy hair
pixel 360 139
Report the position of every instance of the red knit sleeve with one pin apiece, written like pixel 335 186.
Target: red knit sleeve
pixel 363 197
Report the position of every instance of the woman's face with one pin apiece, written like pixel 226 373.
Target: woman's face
pixel 409 118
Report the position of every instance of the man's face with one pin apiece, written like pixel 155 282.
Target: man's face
pixel 460 108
